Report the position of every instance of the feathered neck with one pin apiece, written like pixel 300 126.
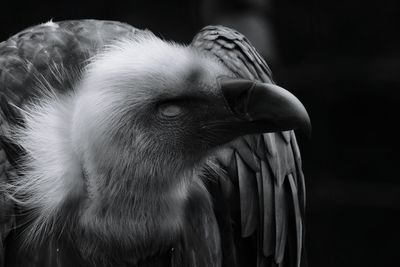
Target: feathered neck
pixel 120 203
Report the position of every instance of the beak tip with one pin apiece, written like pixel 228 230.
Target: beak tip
pixel 306 130
pixel 304 122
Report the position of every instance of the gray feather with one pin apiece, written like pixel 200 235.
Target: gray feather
pixel 274 159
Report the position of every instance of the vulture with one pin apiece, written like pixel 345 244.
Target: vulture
pixel 119 148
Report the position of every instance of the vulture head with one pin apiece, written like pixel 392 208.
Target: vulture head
pixel 130 137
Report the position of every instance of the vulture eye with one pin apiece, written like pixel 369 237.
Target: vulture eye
pixel 170 110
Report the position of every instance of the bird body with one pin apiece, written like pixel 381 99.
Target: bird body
pixel 127 150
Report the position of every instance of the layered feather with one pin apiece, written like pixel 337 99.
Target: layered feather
pixel 264 170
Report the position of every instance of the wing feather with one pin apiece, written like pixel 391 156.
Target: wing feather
pixel 51 54
pixel 7 152
pixel 249 205
pixel 281 216
pixel 270 184
pixel 268 209
pixel 297 216
pixel 64 45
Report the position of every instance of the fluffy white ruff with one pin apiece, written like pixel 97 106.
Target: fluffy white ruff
pixel 59 129
pixel 50 168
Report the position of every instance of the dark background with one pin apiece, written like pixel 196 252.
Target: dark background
pixel 342 59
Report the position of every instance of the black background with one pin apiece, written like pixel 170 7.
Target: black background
pixel 342 59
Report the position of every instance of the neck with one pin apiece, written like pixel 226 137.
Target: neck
pixel 116 204
pixel 140 214
pixel 103 199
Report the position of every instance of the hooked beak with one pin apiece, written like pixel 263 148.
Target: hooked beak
pixel 265 107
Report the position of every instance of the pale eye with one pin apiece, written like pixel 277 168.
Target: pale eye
pixel 170 110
